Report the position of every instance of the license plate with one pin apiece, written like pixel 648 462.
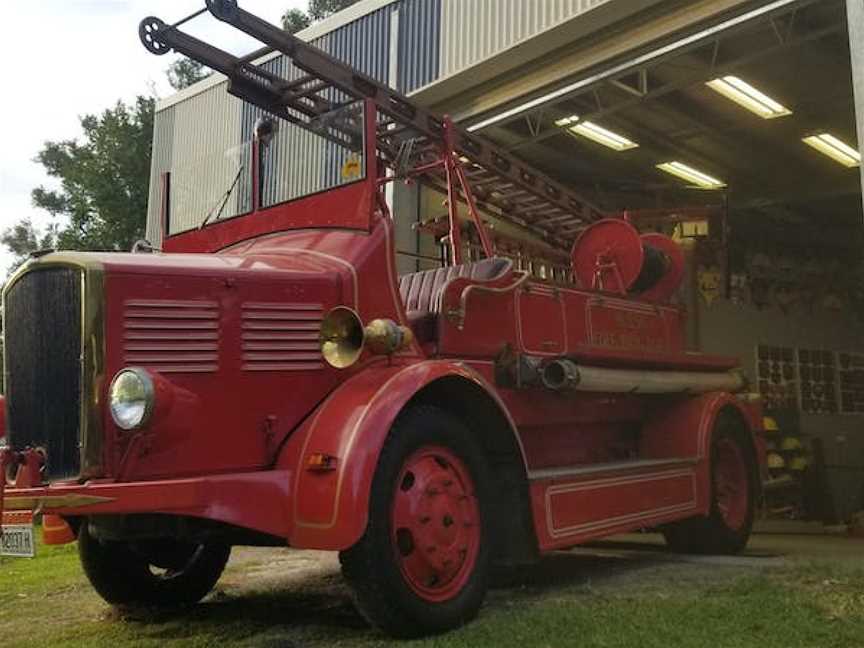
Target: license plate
pixel 18 538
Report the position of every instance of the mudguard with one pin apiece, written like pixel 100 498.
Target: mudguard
pixel 671 434
pixel 329 504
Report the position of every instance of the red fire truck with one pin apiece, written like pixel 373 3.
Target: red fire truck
pixel 268 379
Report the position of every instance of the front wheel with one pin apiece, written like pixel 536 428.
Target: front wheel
pixel 422 566
pixel 156 573
pixel 726 528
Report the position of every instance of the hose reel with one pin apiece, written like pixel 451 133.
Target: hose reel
pixel 610 255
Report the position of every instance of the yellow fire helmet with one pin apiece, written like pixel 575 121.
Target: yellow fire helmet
pixel 769 424
pixel 799 463
pixel 791 443
pixel 775 461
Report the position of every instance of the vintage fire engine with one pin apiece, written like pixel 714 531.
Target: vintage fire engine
pixel 268 379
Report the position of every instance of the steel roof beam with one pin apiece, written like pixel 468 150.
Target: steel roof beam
pixel 707 72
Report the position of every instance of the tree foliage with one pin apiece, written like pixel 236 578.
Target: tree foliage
pixel 183 72
pixel 295 19
pixel 103 179
pixel 320 9
pixel 24 238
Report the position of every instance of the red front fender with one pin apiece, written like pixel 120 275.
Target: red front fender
pixel 330 507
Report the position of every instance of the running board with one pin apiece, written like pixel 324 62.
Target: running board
pixel 613 468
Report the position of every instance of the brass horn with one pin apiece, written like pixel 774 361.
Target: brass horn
pixel 343 337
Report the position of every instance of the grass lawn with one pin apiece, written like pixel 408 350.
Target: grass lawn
pixel 568 600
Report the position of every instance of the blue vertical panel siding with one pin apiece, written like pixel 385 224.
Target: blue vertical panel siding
pixel 299 163
pixel 290 164
pixel 419 44
pixel 364 44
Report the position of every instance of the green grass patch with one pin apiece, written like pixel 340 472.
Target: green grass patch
pixel 55 568
pixel 46 602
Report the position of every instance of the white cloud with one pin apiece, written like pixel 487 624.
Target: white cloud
pixel 67 58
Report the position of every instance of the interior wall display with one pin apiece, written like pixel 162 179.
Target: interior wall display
pixel 710 282
pixel 739 288
pixel 786 297
pixel 851 382
pixel 818 375
pixel 788 457
pixel 775 368
pixel 760 292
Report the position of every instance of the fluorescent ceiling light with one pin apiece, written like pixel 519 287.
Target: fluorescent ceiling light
pixel 691 175
pixel 603 136
pixel 596 133
pixel 567 121
pixel 835 149
pixel 628 65
pixel 749 97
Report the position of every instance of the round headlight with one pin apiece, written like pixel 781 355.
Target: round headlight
pixel 131 398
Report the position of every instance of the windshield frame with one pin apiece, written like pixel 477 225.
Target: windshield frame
pixel 366 152
pixel 345 206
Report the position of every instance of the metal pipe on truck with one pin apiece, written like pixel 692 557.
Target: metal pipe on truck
pixel 564 374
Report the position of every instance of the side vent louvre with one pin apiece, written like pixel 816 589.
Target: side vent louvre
pixel 172 336
pixel 282 337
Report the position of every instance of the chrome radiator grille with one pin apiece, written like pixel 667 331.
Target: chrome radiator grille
pixel 42 336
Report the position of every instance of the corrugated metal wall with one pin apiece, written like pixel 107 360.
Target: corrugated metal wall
pixel 283 177
pixel 472 30
pixel 363 44
pixel 197 141
pixel 163 135
pixel 419 44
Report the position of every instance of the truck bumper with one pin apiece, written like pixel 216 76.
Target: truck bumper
pixel 260 501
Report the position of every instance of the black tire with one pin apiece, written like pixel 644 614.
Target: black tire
pixel 372 566
pixel 164 573
pixel 711 534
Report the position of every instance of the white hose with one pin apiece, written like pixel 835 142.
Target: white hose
pixel 565 374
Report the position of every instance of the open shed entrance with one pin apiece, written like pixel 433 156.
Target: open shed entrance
pixel 737 136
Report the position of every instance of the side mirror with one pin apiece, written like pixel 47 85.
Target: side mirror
pixel 143 246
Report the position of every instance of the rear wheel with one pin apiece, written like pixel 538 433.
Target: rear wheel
pixel 423 564
pixel 726 529
pixel 157 573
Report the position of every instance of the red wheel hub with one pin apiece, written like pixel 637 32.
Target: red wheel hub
pixel 731 483
pixel 436 527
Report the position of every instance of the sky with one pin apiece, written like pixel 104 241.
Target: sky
pixel 67 58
